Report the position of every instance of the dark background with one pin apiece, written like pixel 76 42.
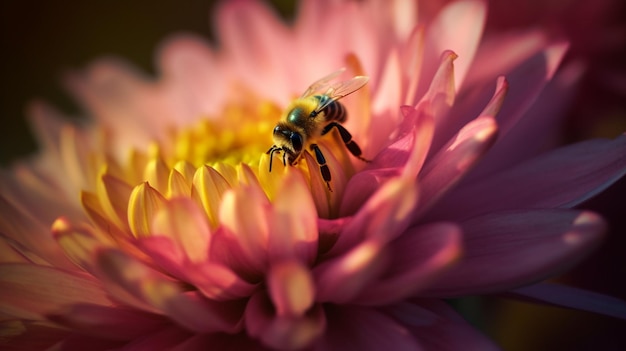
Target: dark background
pixel 39 40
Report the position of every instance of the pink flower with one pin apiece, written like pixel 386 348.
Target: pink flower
pixel 169 231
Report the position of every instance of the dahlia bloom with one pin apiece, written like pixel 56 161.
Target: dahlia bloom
pixel 159 226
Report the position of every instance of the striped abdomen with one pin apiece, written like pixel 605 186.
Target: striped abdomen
pixel 335 111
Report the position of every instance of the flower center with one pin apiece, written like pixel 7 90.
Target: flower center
pixel 203 162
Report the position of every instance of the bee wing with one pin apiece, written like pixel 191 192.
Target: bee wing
pixel 322 83
pixel 340 89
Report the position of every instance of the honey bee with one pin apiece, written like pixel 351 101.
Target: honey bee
pixel 312 116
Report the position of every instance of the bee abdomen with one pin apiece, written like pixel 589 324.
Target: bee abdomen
pixel 335 111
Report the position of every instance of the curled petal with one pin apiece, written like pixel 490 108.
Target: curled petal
pixel 447 167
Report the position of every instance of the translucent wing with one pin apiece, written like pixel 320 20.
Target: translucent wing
pixel 321 84
pixel 340 89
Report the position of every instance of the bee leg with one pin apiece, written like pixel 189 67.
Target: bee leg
pixel 351 145
pixel 324 170
pixel 271 152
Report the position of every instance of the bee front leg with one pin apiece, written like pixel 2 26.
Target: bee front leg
pixel 351 145
pixel 321 161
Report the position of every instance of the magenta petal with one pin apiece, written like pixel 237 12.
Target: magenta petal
pixel 164 253
pixel 161 340
pixel 340 279
pixel 561 178
pixel 282 332
pixel 291 288
pixel 567 296
pixel 455 159
pixel 108 322
pixel 218 282
pixel 419 255
pixel 507 249
pixel 139 285
pixel 365 329
pixel 29 291
pixel 438 327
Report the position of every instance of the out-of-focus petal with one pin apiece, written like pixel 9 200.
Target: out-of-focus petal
pixel 163 295
pixel 280 331
pixel 294 232
pixel 443 34
pixel 455 159
pixel 341 279
pixel 108 322
pixel 362 328
pixel 291 288
pixel 567 296
pixel 182 220
pixel 438 327
pixel 507 249
pixel 419 256
pixel 25 290
pixel 591 167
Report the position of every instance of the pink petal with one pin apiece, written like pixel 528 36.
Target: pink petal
pixel 461 153
pixel 108 322
pixel 165 253
pixel 192 76
pixel 561 178
pixel 291 288
pixel 444 34
pixel 282 332
pixel 28 291
pixel 30 335
pixel 78 242
pixel 164 339
pixel 27 234
pixel 294 232
pixel 218 282
pixel 249 29
pixel 405 156
pixel 570 297
pixel 438 327
pixel 340 279
pixel 508 249
pixel 362 328
pixel 418 256
pixel 183 221
pixel 127 277
pixel 544 120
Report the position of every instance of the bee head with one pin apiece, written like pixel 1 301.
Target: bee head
pixel 291 142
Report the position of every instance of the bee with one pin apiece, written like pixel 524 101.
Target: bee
pixel 312 116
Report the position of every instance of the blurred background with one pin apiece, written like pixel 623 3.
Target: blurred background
pixel 42 40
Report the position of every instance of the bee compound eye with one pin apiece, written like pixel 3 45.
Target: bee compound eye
pixel 296 141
